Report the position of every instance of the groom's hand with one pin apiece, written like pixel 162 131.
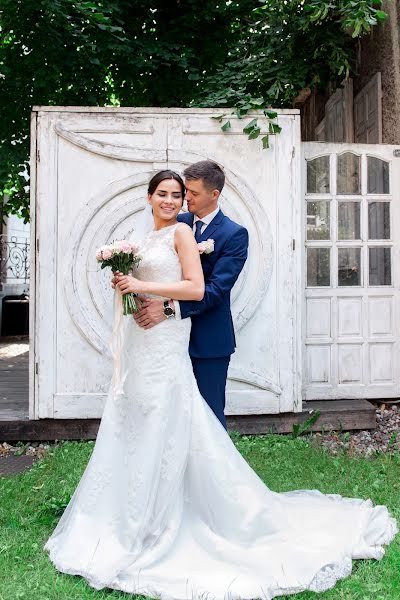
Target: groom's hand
pixel 150 313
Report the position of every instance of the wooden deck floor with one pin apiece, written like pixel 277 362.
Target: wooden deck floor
pixel 14 384
pixel 15 424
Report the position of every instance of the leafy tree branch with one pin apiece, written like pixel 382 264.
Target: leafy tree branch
pixel 242 55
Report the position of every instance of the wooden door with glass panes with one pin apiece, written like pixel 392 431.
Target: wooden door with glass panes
pixel 352 234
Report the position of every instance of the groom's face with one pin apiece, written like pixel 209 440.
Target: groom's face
pixel 200 200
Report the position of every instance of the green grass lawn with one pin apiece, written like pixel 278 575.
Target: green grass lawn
pixel 31 503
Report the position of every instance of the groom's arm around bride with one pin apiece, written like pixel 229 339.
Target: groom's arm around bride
pixel 212 339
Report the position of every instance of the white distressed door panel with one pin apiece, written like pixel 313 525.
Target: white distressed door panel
pixel 260 193
pixel 92 178
pixel 91 186
pixel 351 266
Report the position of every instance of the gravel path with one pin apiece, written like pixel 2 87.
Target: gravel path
pixel 36 449
pixel 385 438
pixel 11 464
pixel 21 457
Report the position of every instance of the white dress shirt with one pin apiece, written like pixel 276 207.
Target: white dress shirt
pixel 206 220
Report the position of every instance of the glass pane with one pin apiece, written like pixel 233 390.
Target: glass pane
pixel 318 221
pixel 378 176
pixel 318 266
pixel 379 220
pixel 349 266
pixel 380 272
pixel 349 221
pixel 348 173
pixel 318 175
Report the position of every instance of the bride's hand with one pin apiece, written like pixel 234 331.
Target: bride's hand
pixel 114 280
pixel 128 283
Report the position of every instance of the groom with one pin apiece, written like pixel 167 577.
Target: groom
pixel 212 339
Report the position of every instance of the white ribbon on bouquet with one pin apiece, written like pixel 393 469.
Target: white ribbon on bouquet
pixel 144 225
pixel 116 344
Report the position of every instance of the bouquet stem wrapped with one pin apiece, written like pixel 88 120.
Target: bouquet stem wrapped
pixel 121 256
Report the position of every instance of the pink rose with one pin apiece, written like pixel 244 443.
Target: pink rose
pixel 106 253
pixel 125 246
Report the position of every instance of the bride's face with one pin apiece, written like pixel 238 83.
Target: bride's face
pixel 166 200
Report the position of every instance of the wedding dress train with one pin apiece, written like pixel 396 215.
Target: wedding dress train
pixel 168 508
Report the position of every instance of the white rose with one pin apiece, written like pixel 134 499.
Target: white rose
pixel 206 247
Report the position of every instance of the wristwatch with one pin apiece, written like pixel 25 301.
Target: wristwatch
pixel 168 310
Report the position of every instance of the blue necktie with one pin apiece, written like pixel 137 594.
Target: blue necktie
pixel 197 234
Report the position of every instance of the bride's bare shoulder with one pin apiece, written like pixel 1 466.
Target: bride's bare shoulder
pixel 183 230
pixel 183 226
pixel 184 237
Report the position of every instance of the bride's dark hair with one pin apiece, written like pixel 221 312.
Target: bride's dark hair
pixel 161 176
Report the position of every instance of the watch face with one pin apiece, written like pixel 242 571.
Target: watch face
pixel 168 312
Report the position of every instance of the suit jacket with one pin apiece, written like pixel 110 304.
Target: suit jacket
pixel 212 332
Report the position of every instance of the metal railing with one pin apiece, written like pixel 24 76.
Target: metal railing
pixel 14 259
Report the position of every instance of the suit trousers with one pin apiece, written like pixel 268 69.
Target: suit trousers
pixel 211 374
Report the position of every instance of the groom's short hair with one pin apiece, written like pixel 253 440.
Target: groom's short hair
pixel 212 175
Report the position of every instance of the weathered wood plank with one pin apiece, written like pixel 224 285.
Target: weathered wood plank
pixel 330 419
pixel 335 414
pixel 14 384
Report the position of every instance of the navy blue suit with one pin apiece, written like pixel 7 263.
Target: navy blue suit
pixel 212 339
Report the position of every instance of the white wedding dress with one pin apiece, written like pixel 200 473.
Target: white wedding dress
pixel 168 508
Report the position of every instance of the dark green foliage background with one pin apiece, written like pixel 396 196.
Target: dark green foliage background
pixel 244 54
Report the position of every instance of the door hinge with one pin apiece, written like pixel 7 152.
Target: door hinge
pixel 37 368
pixel 294 244
pixel 293 151
pixel 37 245
pixel 38 155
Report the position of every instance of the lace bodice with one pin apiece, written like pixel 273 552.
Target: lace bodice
pixel 160 261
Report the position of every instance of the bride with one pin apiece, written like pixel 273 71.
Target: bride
pixel 167 507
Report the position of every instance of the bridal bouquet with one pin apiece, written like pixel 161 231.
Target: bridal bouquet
pixel 121 256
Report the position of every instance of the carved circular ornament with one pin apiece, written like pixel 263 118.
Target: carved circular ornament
pixel 111 215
